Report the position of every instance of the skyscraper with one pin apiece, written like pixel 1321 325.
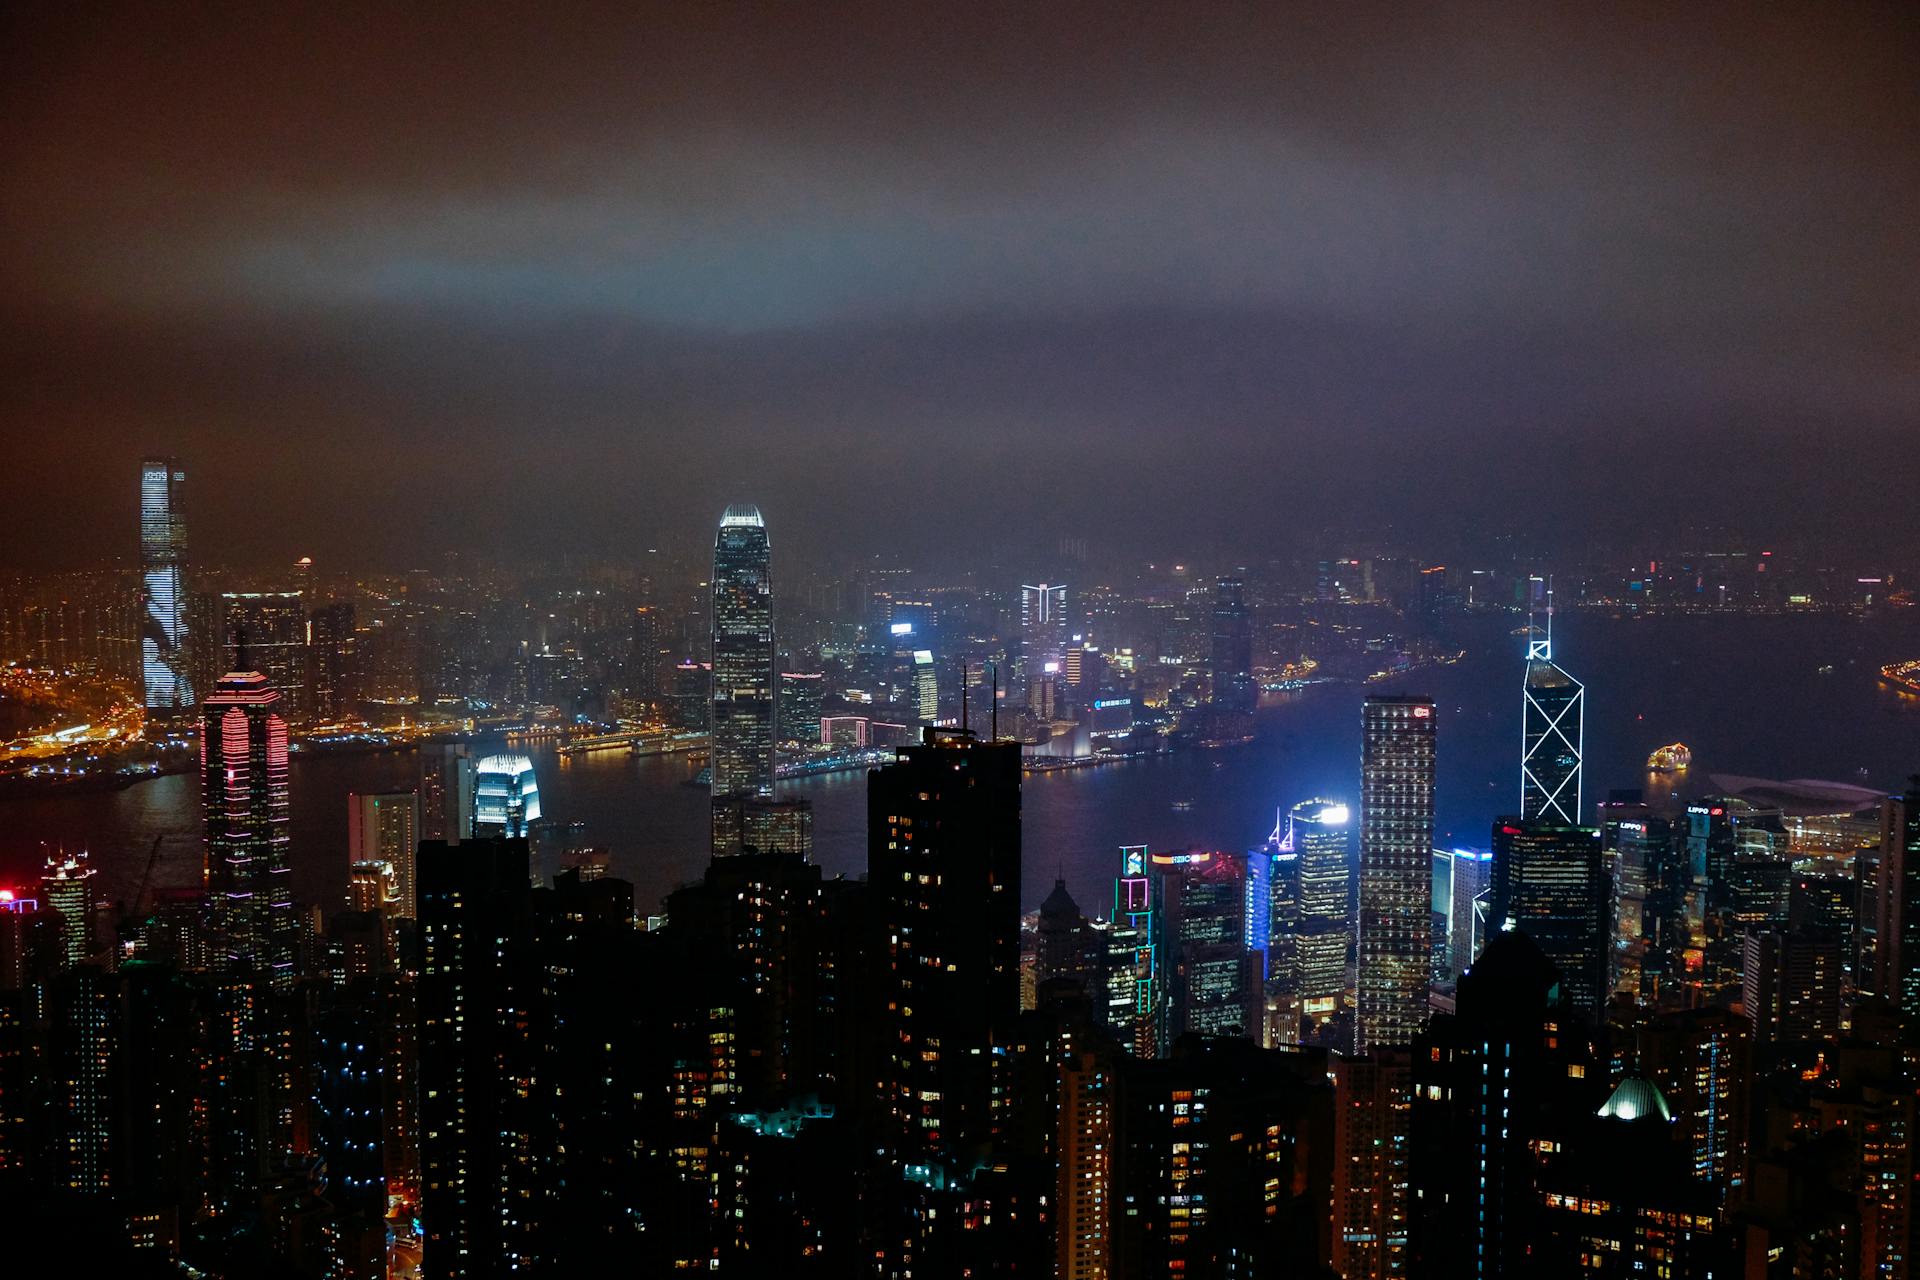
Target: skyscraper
pixel 164 661
pixel 243 750
pixel 1396 853
pixel 1320 832
pixel 506 796
pixel 1896 953
pixel 1549 883
pixel 1043 630
pixel 446 792
pixel 1216 923
pixel 1234 690
pixel 266 631
pixel 1551 708
pixel 943 849
pixel 67 890
pixel 386 828
pixel 330 661
pixel 1471 872
pixel 926 689
pixel 741 756
pixel 1134 994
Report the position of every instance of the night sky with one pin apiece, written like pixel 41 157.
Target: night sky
pixel 394 283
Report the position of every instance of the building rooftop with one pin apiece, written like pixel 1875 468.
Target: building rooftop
pixel 742 514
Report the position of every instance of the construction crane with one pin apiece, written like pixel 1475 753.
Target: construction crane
pixel 144 898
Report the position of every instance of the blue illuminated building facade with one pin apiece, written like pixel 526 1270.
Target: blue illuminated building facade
pixel 164 666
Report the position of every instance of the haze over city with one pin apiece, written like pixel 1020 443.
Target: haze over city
pixel 926 642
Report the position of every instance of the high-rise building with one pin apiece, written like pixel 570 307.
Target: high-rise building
pixel 802 695
pixel 165 661
pixel 1372 1101
pixel 1043 631
pixel 741 755
pixel 1790 987
pixel 1321 833
pixel 447 785
pixel 330 662
pixel 474 910
pixel 1470 874
pixel 944 858
pixel 1396 851
pixel 1702 1060
pixel 1896 943
pixel 266 631
pixel 1135 993
pixel 926 689
pixel 647 659
pixel 386 828
pixel 244 788
pixel 1553 704
pixel 1549 883
pixel 1499 1087
pixel 67 889
pixel 506 797
pixel 1234 688
pixel 1216 906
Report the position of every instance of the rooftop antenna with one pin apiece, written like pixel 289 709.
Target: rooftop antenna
pixel 1536 647
pixel 966 673
pixel 1549 615
pixel 994 720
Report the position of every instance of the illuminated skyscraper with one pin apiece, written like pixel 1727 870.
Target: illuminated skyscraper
pixel 243 750
pixel 1396 878
pixel 1471 874
pixel 506 796
pixel 1552 706
pixel 1216 922
pixel 164 662
pixel 741 758
pixel 446 792
pixel 1320 832
pixel 330 661
pixel 1043 630
pixel 67 890
pixel 1134 993
pixel 926 690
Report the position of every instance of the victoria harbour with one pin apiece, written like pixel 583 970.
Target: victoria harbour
pixel 1748 694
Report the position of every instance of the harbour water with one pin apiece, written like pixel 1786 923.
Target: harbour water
pixel 1747 694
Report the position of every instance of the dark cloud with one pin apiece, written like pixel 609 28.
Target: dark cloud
pixel 395 282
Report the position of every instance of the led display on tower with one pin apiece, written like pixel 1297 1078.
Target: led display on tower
pixel 164 661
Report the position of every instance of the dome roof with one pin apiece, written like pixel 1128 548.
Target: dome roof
pixel 1637 1098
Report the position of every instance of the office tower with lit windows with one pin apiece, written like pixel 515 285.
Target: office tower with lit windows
pixel 778 826
pixel 506 796
pixel 1234 689
pixel 926 688
pixel 943 849
pixel 330 662
pixel 1552 707
pixel 1896 943
pixel 1043 632
pixel 386 828
pixel 1396 852
pixel 1550 883
pixel 266 631
pixel 743 686
pixel 244 788
pixel 1320 833
pixel 1283 1022
pixel 68 890
pixel 1216 908
pixel 165 659
pixel 802 697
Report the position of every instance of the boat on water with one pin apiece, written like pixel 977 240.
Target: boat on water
pixel 1675 757
pixel 1904 676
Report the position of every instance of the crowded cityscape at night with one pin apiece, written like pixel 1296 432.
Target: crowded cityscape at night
pixel 919 642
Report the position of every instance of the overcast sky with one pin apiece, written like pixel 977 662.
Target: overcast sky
pixel 392 283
